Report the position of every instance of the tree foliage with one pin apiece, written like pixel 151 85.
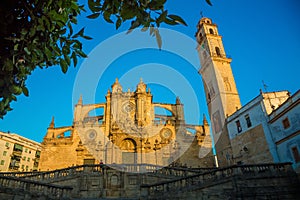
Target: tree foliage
pixel 37 33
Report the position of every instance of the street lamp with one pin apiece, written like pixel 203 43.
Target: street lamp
pixel 140 132
pixel 156 147
pixel 111 138
pixel 176 148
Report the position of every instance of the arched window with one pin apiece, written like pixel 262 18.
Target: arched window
pixel 95 116
pixel 218 51
pixel 211 31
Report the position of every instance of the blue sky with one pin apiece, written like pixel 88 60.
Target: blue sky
pixel 262 37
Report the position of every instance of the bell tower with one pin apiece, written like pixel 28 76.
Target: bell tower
pixel 221 94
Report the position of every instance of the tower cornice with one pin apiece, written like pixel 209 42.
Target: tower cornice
pixel 221 59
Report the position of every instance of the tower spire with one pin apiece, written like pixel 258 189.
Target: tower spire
pixel 204 120
pixel 178 100
pixel 79 100
pixel 201 14
pixel 222 97
pixel 52 125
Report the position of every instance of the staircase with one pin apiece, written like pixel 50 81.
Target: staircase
pixel 263 181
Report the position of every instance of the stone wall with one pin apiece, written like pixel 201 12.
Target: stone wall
pixel 251 147
pixel 265 181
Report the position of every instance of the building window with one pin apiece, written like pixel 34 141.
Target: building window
pixel 26 150
pixel 18 147
pixel 29 151
pixel 286 123
pixel 227 84
pixel 296 154
pixel 238 126
pixel 24 157
pixel 4 153
pixel 37 154
pixel 211 31
pixel 218 51
pixel 28 159
pixel 7 144
pixel 132 181
pixel 248 121
pixel 2 162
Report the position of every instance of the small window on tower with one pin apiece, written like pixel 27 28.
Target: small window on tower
pixel 286 123
pixel 211 31
pixel 218 51
pixel 238 126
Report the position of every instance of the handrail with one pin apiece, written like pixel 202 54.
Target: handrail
pixel 55 191
pixel 197 180
pixel 245 168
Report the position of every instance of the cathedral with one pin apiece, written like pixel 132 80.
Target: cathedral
pixel 126 129
pixel 256 145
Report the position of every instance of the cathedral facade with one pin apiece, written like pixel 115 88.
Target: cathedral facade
pixel 126 129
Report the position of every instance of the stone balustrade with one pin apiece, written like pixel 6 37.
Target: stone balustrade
pixel 153 182
pixel 196 181
pixel 130 168
pixel 24 187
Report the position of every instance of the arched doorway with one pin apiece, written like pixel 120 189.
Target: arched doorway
pixel 128 147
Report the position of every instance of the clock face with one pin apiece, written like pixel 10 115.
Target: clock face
pixel 166 133
pixel 128 107
pixel 91 134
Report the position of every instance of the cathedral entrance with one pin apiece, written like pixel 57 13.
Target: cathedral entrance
pixel 89 161
pixel 128 147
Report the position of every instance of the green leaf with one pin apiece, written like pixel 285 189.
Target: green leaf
pixel 94 6
pixel 118 23
pixel 145 28
pixel 74 57
pixel 14 98
pixel 170 21
pixel 152 30
pixel 158 38
pixel 48 53
pixel 27 51
pixel 79 33
pixel 70 27
pixel 63 65
pixel 162 17
pixel 106 16
pixel 177 19
pixel 93 16
pixel 15 89
pixel 134 24
pixel 62 31
pixel 32 32
pixel 87 37
pixel 16 47
pixel 127 13
pixel 25 91
pixel 209 2
pixel 67 59
pixel 81 53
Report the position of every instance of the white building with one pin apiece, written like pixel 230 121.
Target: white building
pixel 249 131
pixel 285 129
pixel 18 153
